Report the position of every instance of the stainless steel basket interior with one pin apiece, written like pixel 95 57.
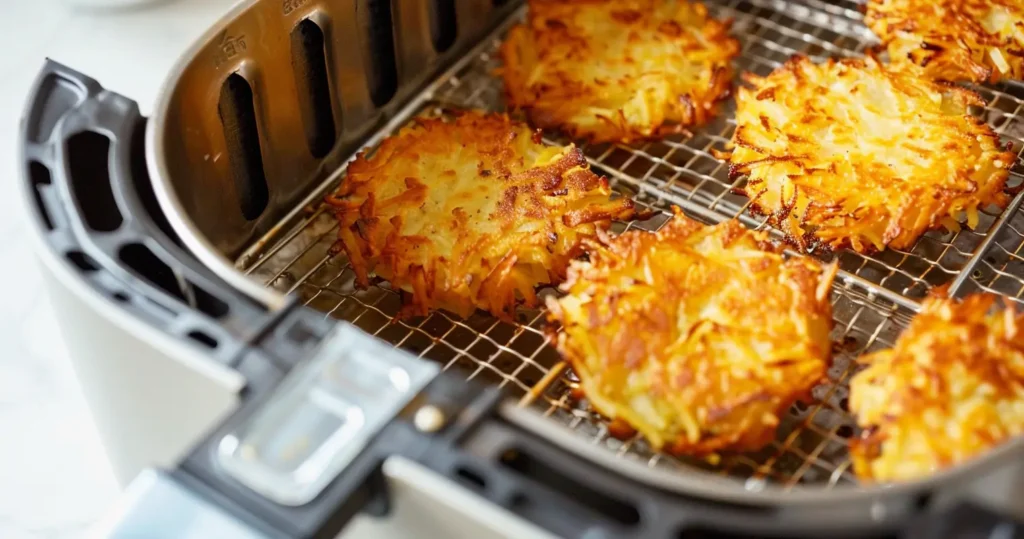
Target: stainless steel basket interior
pixel 873 298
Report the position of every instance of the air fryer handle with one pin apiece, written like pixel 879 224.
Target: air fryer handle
pixel 84 171
pixel 481 447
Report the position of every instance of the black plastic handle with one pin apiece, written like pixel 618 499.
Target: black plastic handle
pixel 83 157
pixel 536 480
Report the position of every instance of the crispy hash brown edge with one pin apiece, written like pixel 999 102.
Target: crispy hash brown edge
pixel 955 47
pixel 812 279
pixel 692 108
pixel 567 180
pixel 903 401
pixel 898 235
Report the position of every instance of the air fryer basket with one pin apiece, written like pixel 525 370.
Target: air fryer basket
pixel 257 121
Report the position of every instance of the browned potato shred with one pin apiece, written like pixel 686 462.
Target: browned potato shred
pixel 849 153
pixel 700 337
pixel 471 212
pixel 953 40
pixel 618 70
pixel 950 389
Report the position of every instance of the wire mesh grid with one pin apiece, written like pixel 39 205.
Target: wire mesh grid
pixel 813 437
pixel 811 448
pixel 683 170
pixel 1000 266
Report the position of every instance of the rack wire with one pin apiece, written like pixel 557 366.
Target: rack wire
pixel 683 171
pixel 872 300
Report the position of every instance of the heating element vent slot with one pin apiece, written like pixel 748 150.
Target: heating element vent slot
pixel 238 117
pixel 443 25
pixel 382 74
pixel 309 61
pixel 88 165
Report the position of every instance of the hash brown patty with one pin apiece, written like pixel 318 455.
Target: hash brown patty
pixel 618 70
pixel 849 153
pixel 699 337
pixel 469 212
pixel 951 388
pixel 953 40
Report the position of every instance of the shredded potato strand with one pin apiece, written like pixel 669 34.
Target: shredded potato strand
pixel 471 212
pixel 699 337
pixel 953 40
pixel 618 70
pixel 851 154
pixel 950 389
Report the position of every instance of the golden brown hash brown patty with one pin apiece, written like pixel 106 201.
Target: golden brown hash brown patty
pixel 699 337
pixel 954 40
pixel 618 70
pixel 951 388
pixel 848 153
pixel 470 212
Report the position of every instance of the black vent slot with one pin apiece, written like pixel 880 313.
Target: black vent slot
pixel 202 338
pixel 40 176
pixel 443 26
pixel 238 116
pixel 207 303
pixel 88 163
pixel 471 478
pixel 382 76
pixel 148 266
pixel 309 61
pixel 549 476
pixel 139 258
pixel 82 261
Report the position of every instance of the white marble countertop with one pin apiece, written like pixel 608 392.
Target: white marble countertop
pixel 54 479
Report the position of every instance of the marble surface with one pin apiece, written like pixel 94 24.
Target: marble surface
pixel 54 479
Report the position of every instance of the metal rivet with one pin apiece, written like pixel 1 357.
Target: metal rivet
pixel 755 484
pixel 878 512
pixel 429 419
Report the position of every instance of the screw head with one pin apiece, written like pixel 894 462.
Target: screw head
pixel 429 418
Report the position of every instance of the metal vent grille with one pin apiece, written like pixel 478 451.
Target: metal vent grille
pixel 873 298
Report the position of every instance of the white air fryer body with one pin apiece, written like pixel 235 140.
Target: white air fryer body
pixel 151 397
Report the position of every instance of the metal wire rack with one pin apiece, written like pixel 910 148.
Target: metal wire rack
pixel 872 300
pixel 683 171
